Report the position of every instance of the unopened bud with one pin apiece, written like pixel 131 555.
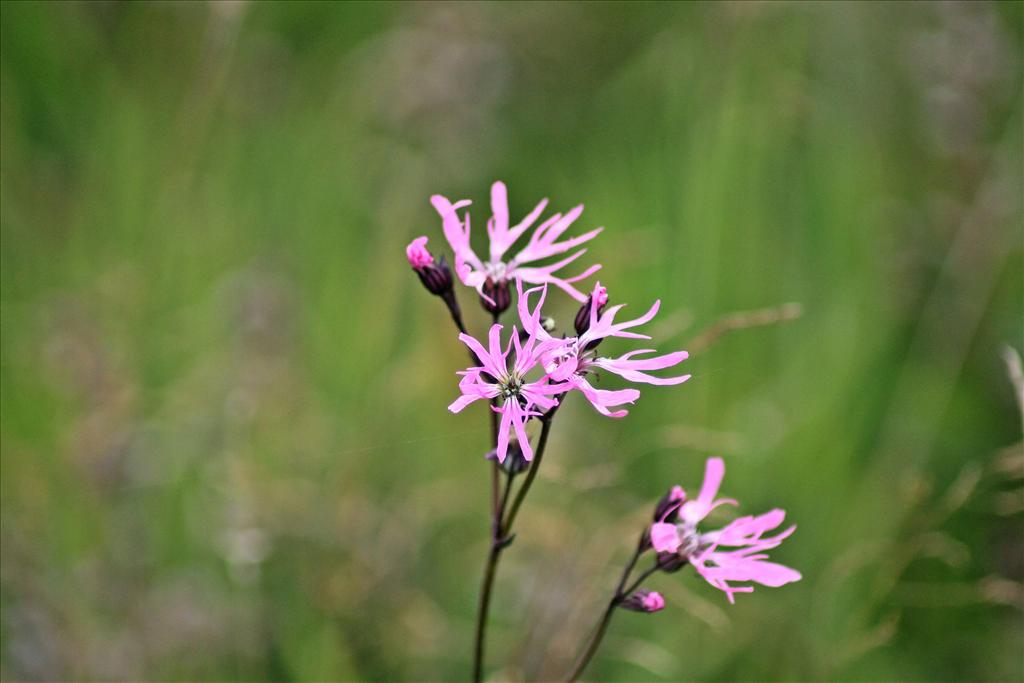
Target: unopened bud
pixel 670 562
pixel 515 462
pixel 597 299
pixel 644 601
pixel 495 297
pixel 667 508
pixel 435 276
pixel 418 254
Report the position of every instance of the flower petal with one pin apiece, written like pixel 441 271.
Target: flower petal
pixel 602 399
pixel 665 537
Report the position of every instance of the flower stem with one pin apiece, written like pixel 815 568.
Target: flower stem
pixel 497 509
pixel 643 577
pixel 499 541
pixel 481 617
pixel 495 514
pixel 606 617
pixel 497 545
pixel 629 566
pixel 595 641
pixel 530 476
pixel 484 603
pixel 453 309
pixel 505 496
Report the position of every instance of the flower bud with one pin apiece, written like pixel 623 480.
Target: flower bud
pixel 495 297
pixel 667 508
pixel 644 601
pixel 670 562
pixel 436 277
pixel 514 460
pixel 418 254
pixel 599 299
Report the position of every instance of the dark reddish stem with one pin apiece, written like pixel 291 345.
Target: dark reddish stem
pixel 618 596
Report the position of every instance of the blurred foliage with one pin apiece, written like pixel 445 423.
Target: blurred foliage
pixel 225 449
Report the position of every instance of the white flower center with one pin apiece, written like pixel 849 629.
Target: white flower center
pixel 510 386
pixel 497 270
pixel 691 539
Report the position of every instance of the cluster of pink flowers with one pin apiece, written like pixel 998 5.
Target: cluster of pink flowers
pixel 564 364
pixel 527 375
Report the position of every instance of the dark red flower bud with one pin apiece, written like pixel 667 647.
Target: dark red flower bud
pixel 671 562
pixel 500 297
pixel 435 276
pixel 668 507
pixel 599 299
pixel 644 601
pixel 514 460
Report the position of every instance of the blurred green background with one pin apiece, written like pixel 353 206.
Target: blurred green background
pixel 225 449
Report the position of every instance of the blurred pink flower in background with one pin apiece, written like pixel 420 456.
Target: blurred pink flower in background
pixel 747 563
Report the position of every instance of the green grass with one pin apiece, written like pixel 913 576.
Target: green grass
pixel 225 449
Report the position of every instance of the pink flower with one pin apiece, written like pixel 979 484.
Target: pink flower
pixel 518 398
pixel 498 269
pixel 573 359
pixel 746 562
pixel 418 255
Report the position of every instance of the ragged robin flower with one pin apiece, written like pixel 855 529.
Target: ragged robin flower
pixel 574 360
pixel 734 553
pixel 492 277
pixel 517 398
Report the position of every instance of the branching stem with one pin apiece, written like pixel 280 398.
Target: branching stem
pixel 618 596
